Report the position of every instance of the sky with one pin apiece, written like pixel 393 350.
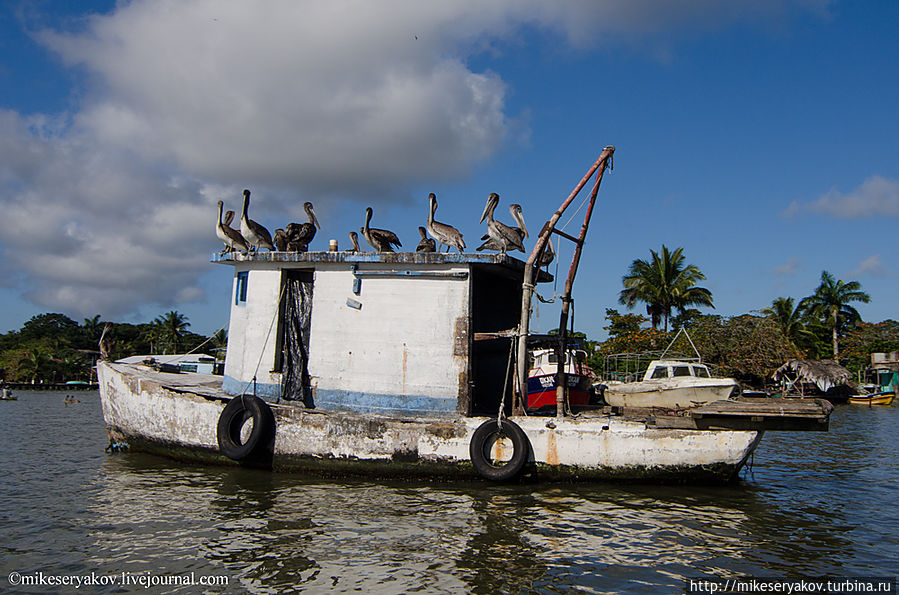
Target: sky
pixel 759 136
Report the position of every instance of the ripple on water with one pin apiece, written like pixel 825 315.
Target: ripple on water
pixel 814 504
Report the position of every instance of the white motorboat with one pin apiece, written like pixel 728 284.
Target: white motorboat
pixel 671 384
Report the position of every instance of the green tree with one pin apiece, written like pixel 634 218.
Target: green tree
pixel 34 364
pixel 171 327
pixel 830 303
pixel 790 317
pixel 664 283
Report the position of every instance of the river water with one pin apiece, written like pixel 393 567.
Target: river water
pixel 813 505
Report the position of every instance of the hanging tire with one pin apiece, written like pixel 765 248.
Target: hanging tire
pixel 481 450
pixel 231 422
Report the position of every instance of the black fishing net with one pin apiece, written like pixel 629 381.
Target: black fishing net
pixel 297 316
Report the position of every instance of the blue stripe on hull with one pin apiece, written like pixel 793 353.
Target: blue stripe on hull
pixel 343 400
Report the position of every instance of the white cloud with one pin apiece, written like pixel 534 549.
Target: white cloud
pixel 875 197
pixel 873 265
pixel 189 101
pixel 789 268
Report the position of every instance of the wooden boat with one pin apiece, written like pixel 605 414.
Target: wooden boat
pixel 7 395
pixel 401 364
pixel 878 398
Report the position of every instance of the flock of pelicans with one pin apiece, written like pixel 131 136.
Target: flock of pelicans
pixel 295 237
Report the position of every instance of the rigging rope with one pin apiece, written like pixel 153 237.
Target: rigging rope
pixel 264 344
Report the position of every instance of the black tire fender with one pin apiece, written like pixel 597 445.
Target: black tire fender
pixel 231 421
pixel 482 442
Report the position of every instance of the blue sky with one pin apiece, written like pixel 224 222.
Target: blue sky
pixel 760 136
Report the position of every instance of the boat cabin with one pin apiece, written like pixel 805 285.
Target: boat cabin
pixel 659 369
pixel 389 333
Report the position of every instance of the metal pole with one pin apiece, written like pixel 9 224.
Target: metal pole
pixel 529 273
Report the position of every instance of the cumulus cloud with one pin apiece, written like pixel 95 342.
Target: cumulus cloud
pixel 789 268
pixel 875 197
pixel 873 265
pixel 188 101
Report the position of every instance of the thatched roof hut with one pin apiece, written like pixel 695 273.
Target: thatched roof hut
pixel 823 373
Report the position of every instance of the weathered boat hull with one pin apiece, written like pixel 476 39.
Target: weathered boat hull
pixel 665 393
pixel 150 412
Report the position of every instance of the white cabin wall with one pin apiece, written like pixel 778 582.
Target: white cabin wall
pixel 397 350
pixel 250 330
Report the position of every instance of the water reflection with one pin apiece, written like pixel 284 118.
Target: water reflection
pixel 815 504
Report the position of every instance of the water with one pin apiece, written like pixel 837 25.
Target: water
pixel 814 504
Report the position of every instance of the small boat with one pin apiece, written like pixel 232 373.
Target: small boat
pixel 542 380
pixel 671 384
pixel 878 398
pixel 6 395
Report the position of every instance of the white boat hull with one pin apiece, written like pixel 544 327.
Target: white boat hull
pixel 670 393
pixel 145 412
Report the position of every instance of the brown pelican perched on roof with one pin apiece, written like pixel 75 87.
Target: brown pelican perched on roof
pixel 301 234
pixel 499 235
pixel 230 237
pixel 445 234
pixel 426 244
pixel 256 235
pixel 381 240
pixel 354 238
pixel 280 240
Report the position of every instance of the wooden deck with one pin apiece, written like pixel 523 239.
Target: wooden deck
pixel 802 415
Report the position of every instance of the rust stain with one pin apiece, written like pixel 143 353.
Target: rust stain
pixel 499 453
pixel 552 452
pixel 460 344
pixel 405 365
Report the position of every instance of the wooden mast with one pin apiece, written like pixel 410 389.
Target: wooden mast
pixel 528 286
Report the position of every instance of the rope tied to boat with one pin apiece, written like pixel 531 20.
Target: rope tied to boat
pixel 264 345
pixel 502 401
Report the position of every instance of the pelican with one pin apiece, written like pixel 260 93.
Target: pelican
pixel 280 240
pixel 256 235
pixel 500 236
pixel 426 244
pixel 381 240
pixel 354 237
pixel 230 237
pixel 443 233
pixel 229 217
pixel 303 233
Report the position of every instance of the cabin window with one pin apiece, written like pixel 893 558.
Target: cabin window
pixel 240 292
pixel 660 372
pixel 681 371
pixel 701 371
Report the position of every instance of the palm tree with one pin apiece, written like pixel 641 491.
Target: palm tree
pixel 171 327
pixel 664 283
pixel 830 302
pixel 790 318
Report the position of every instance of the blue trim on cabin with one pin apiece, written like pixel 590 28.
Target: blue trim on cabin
pixel 267 391
pixel 344 400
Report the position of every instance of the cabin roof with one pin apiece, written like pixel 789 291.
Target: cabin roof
pixel 397 258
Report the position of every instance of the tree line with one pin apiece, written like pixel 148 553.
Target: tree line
pixel 822 325
pixel 52 347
